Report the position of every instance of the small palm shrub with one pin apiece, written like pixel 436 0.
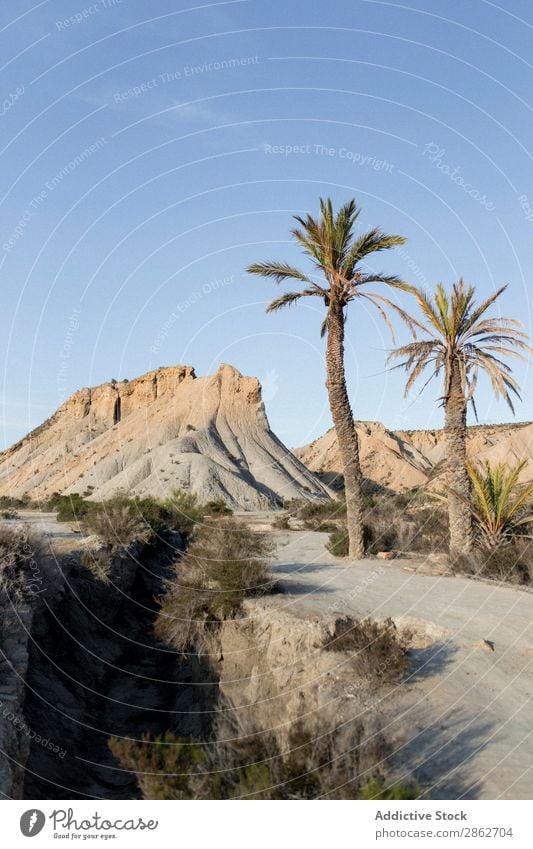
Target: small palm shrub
pixel 501 506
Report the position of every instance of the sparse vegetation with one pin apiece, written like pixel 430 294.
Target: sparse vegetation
pixel 217 507
pixel 339 544
pixel 71 508
pixel 117 522
pixel 224 564
pixel 21 565
pixel 9 515
pixel 98 563
pixel 511 562
pixel 380 651
pixel 377 788
pixel 252 766
pixel 403 523
pixel 185 510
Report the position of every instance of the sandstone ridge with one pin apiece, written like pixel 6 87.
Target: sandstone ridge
pixel 402 460
pixel 163 430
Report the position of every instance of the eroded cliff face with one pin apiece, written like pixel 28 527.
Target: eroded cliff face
pixel 273 672
pixel 15 736
pixel 164 430
pixel 87 666
pixel 94 669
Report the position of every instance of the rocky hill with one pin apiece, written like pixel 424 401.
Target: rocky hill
pixel 163 430
pixel 402 460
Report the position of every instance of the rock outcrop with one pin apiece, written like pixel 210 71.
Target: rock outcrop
pixel 401 460
pixel 164 430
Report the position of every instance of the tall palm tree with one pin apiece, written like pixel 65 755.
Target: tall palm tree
pixel 338 257
pixel 461 341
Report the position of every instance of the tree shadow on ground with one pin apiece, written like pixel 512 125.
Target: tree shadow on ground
pixel 429 661
pixel 439 756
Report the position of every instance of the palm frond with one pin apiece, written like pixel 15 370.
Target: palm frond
pixel 368 243
pixel 500 504
pixel 279 271
pixel 284 301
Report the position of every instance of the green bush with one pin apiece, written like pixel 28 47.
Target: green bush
pixel 314 766
pixel 224 564
pixel 71 508
pixel 24 503
pixel 338 543
pixel 9 514
pixel 217 507
pixel 317 512
pixel 184 511
pixel 376 788
pixel 166 767
pixel 117 522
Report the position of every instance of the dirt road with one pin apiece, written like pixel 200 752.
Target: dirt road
pixel 464 714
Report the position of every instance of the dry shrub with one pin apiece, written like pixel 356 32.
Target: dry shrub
pixel 323 516
pixel 225 563
pixel 99 564
pixel 403 523
pixel 117 523
pixel 281 522
pixel 397 523
pixel 380 651
pixel 510 562
pixel 22 573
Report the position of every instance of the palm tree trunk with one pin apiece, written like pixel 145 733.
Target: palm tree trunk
pixel 347 439
pixel 458 482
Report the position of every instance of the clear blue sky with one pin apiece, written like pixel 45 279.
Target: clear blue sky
pixel 149 151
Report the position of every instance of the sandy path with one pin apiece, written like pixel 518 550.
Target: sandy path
pixel 465 712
